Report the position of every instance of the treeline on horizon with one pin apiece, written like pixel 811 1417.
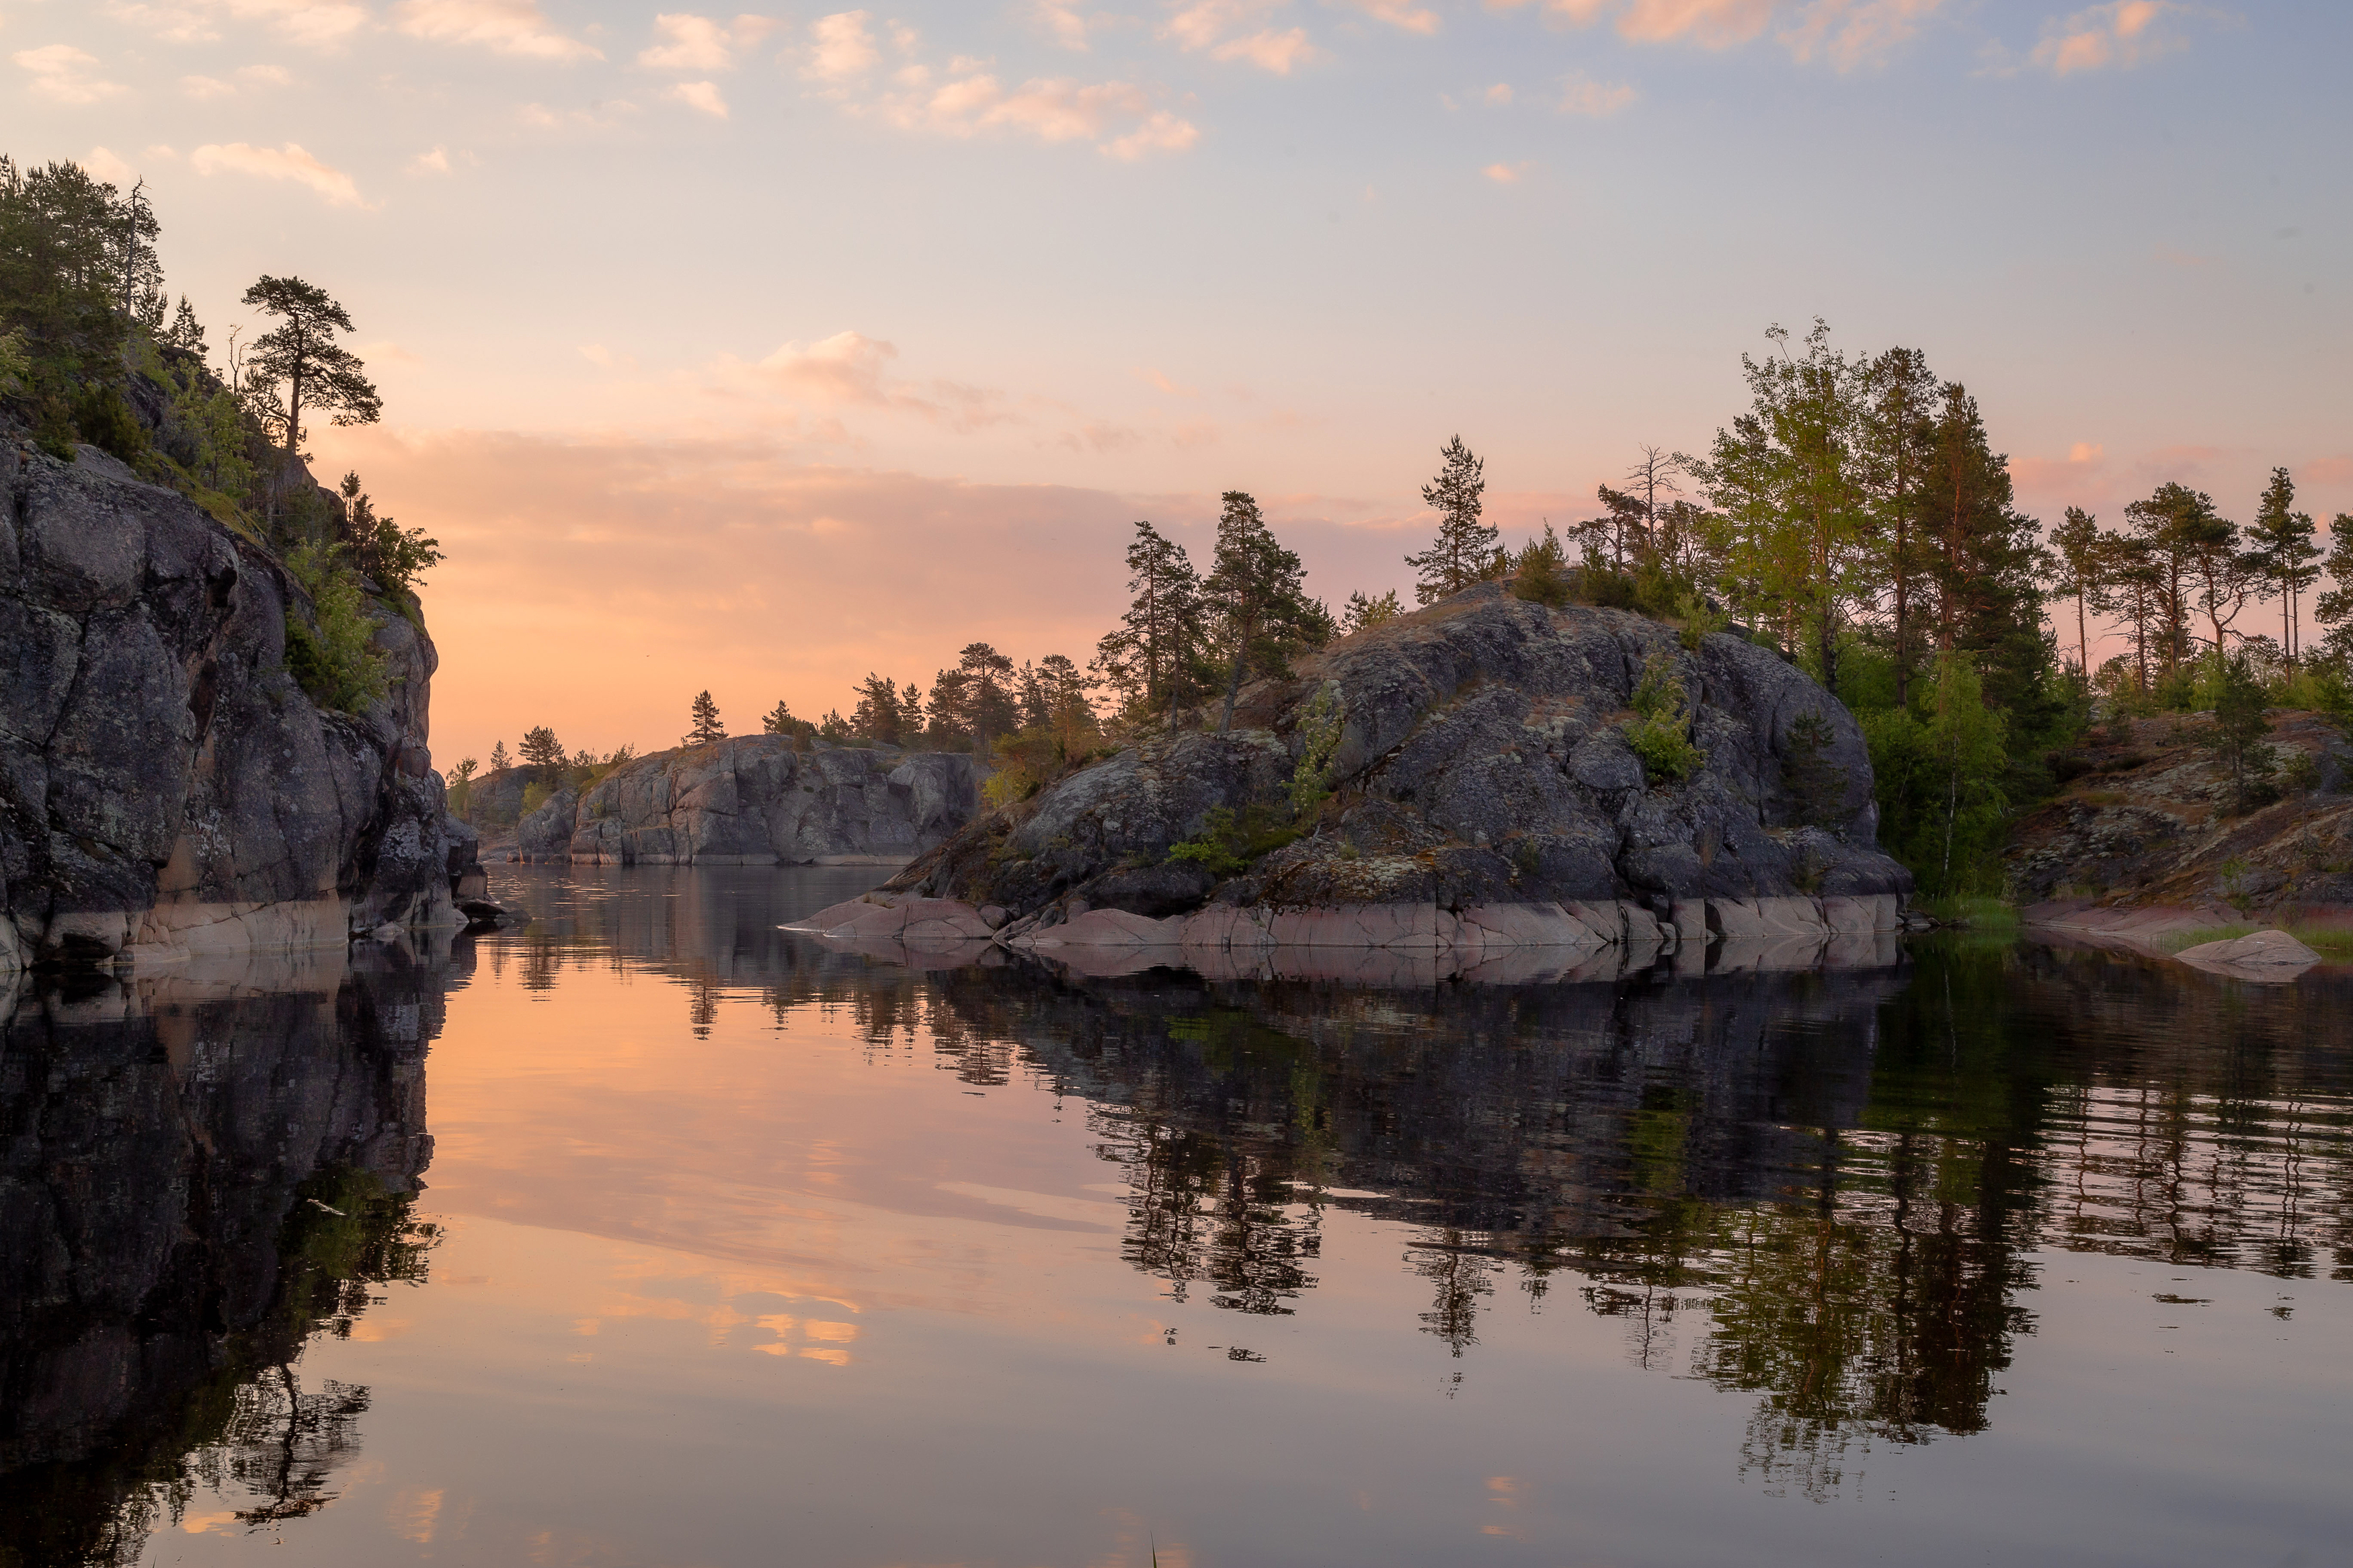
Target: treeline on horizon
pixel 1856 518
pixel 92 353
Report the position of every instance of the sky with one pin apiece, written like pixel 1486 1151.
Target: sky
pixel 755 352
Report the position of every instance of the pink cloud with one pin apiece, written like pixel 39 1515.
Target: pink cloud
pixel 2119 35
pixel 287 162
pixel 505 27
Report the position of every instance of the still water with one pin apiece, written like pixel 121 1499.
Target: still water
pixel 649 1234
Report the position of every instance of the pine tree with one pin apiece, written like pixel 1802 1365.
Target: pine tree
pixel 1152 659
pixel 1796 513
pixel 703 726
pixel 2183 532
pixel 185 332
pixel 541 749
pixel 302 357
pixel 500 760
pixel 1897 441
pixel 2081 559
pixel 1256 591
pixel 2281 554
pixel 2333 609
pixel 988 709
pixel 877 716
pixel 1363 613
pixel 2129 584
pixel 1464 549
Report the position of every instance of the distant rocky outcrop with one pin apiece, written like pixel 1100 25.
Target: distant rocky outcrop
pixel 166 785
pixel 1484 795
pixel 759 800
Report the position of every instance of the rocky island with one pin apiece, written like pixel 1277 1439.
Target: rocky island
pixel 1484 773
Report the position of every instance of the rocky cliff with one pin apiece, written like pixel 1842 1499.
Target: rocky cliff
pixel 1484 792
pixel 759 800
pixel 2145 821
pixel 166 785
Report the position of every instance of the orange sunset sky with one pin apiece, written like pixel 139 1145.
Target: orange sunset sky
pixel 757 351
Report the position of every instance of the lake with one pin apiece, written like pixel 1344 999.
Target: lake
pixel 651 1234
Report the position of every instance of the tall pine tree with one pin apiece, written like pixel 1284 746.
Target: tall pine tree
pixel 1257 593
pixel 1464 550
pixel 1152 661
pixel 2281 553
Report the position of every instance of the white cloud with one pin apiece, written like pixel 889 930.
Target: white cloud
pixel 506 26
pixel 435 161
pixel 1582 94
pixel 1118 117
pixel 1061 21
pixel 850 370
pixel 2120 34
pixel 317 23
pixel 702 43
pixel 700 95
pixel 1398 14
pixel 600 115
pixel 1847 32
pixel 64 74
pixel 105 166
pixel 247 77
pixel 289 163
pixel 1234 30
pixel 841 48
pixel 1855 33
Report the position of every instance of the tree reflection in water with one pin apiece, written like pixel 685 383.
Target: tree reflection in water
pixel 1829 1191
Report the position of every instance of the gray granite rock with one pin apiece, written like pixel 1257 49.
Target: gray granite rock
pixel 763 800
pixel 1481 763
pixel 165 786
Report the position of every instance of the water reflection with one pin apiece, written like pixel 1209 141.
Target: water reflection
pixel 1840 1204
pixel 201 1171
pixel 1826 1189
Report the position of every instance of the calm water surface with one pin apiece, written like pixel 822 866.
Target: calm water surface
pixel 651 1235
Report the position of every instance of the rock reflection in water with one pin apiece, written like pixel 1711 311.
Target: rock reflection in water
pixel 1827 1189
pixel 202 1169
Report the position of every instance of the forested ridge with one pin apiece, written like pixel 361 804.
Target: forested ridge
pixel 93 352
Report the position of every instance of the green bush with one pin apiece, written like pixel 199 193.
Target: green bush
pixel 105 422
pixel 1661 734
pixel 328 652
pixel 1230 840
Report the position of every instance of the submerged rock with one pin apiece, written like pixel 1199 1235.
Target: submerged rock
pixel 1485 793
pixel 165 786
pixel 2269 955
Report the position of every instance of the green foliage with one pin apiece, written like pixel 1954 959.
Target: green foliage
pixel 1940 765
pixel 297 367
pixel 1153 660
pixel 105 422
pixel 16 361
pixel 703 727
pixel 397 558
pixel 779 721
pixel 1540 573
pixel 2238 733
pixel 1464 549
pixel 1363 613
pixel 1701 619
pixel 1257 597
pixel 328 652
pixel 1660 734
pixel 1320 726
pixel 536 794
pixel 1230 840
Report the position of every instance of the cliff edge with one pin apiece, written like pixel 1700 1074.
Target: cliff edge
pixel 167 787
